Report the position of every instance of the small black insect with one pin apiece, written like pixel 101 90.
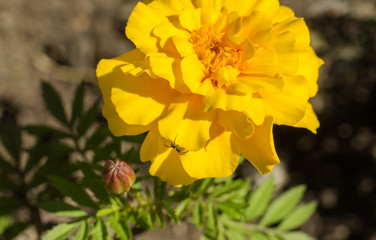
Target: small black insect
pixel 180 150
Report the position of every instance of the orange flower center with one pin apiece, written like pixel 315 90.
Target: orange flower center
pixel 214 53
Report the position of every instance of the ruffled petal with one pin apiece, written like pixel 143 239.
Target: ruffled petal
pixel 296 26
pixel 288 107
pixel 217 159
pixel 227 101
pixel 257 27
pixel 255 111
pixel 166 30
pixel 141 23
pixel 193 72
pixel 118 127
pixel 185 124
pixel 309 65
pixel 131 96
pixel 259 149
pixel 166 163
pixel 108 70
pixel 171 7
pixel 237 123
pixel 251 84
pixel 309 121
pixel 283 14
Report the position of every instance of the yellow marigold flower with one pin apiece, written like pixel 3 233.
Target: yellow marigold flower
pixel 208 79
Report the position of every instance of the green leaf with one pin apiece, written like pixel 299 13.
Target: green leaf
pixel 5 221
pixel 212 222
pixel 229 209
pixel 181 208
pixel 117 227
pixel 15 229
pixel 73 190
pixel 234 235
pixel 258 236
pixel 178 196
pixel 296 236
pixel 82 231
pixel 87 119
pixel 230 187
pixel 99 231
pixel 283 205
pixel 159 215
pixel 206 183
pixel 78 102
pixel 106 211
pixel 93 182
pixel 259 200
pixel 46 133
pixel 10 136
pixel 99 136
pixel 9 204
pixel 6 166
pixel 53 103
pixel 62 209
pixel 61 231
pixel 298 216
pixel 170 211
pixel 198 215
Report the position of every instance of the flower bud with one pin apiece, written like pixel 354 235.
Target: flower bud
pixel 118 176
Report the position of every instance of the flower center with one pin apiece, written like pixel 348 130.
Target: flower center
pixel 214 53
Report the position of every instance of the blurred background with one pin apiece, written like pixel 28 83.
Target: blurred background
pixel 62 41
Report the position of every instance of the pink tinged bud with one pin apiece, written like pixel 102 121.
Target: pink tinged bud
pixel 118 176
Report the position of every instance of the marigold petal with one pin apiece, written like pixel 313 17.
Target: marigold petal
pixel 108 70
pixel 251 84
pixel 118 127
pixel 309 121
pixel 288 106
pixel 141 23
pixel 192 72
pixel 167 30
pixel 190 19
pixel 217 159
pixel 283 14
pixel 257 27
pixel 264 62
pixel 269 7
pixel 255 111
pixel 296 26
pixel 152 145
pixel 259 149
pixel 237 123
pixel 171 7
pixel 185 124
pixel 221 99
pixel 183 46
pixel 132 95
pixel 309 65
pixel 168 167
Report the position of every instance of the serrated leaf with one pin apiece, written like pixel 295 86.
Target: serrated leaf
pixel 62 209
pixel 93 182
pixel 73 190
pixel 234 235
pixel 198 215
pixel 82 231
pixel 297 236
pixel 53 103
pixel 10 136
pixel 117 227
pixel 206 183
pixel 78 102
pixel 298 216
pixel 283 205
pixel 259 199
pixel 61 231
pixel 99 231
pixel 87 119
